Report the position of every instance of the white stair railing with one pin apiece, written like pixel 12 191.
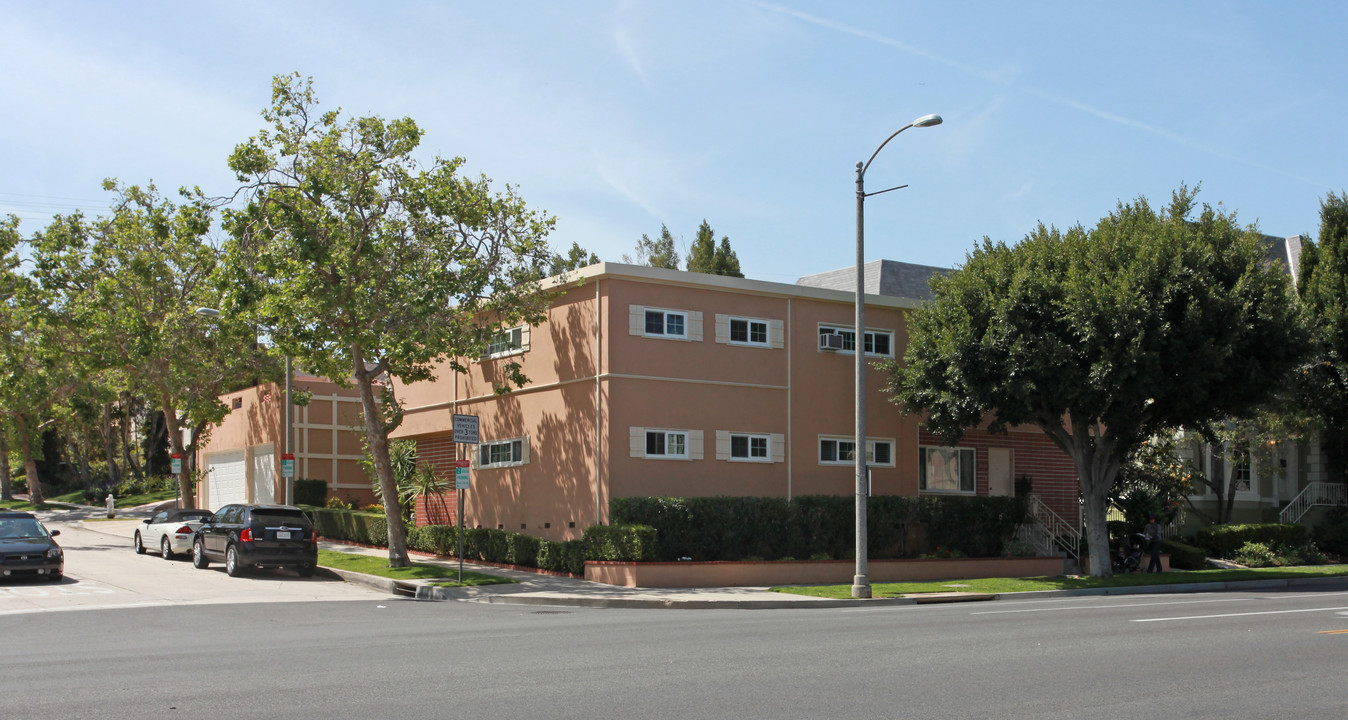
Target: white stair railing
pixel 1316 493
pixel 1058 534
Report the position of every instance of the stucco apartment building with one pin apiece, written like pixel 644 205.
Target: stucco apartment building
pixel 653 382
pixel 241 458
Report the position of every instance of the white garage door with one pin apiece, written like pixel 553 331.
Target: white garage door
pixel 264 476
pixel 226 480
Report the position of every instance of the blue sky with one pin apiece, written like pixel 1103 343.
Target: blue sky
pixel 619 116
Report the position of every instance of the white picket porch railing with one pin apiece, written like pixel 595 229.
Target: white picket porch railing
pixel 1049 533
pixel 1316 493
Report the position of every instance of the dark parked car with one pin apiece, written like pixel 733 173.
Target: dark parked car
pixel 257 536
pixel 27 548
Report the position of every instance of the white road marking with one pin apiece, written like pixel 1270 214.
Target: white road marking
pixel 72 608
pixel 1244 614
pixel 1297 596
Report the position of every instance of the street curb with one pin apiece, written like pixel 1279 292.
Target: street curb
pixel 1178 588
pixel 680 604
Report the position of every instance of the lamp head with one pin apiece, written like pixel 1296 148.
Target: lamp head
pixel 927 121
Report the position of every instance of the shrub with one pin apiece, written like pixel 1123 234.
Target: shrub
pixel 735 528
pixel 1184 556
pixel 566 556
pixel 1224 541
pixel 1332 535
pixel 521 549
pixel 620 543
pixel 376 507
pixel 1256 555
pixel 336 503
pixel 1019 547
pixel 308 491
pixel 941 553
pixel 350 525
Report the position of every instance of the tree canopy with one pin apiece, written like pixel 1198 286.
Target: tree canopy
pixel 364 264
pixel 705 256
pixel 1323 387
pixel 1104 337
pixel 659 253
pixel 576 258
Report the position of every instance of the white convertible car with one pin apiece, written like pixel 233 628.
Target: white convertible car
pixel 170 530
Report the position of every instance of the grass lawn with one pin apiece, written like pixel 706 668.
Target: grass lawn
pixel 1006 585
pixel 375 565
pixel 25 506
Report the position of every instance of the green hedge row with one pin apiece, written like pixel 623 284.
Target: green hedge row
pixel 1184 556
pixel 366 528
pixel 1332 535
pixel 1223 541
pixel 308 491
pixel 814 526
pixel 601 542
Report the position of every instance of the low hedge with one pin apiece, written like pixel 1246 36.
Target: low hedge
pixel 308 491
pixel 620 543
pixel 366 528
pixel 1223 541
pixel 739 528
pixel 1331 536
pixel 1184 556
pixel 500 546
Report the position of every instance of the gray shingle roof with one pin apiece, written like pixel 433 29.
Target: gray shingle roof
pixel 883 277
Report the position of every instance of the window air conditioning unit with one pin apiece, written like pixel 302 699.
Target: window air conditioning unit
pixel 831 342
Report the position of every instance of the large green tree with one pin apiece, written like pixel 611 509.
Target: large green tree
pixel 659 253
pixel 153 268
pixel 1323 387
pixel 705 256
pixel 366 265
pixel 576 258
pixel 1104 337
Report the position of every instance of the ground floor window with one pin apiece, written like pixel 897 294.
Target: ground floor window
pixel 749 447
pixel 843 451
pixel 944 469
pixel 504 452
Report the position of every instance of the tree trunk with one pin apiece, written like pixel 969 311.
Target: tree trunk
pixel 1097 460
pixel 82 461
pixel 125 423
pixel 175 442
pixel 376 436
pixel 109 444
pixel 6 482
pixel 29 464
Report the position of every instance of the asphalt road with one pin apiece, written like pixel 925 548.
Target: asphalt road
pixel 1228 655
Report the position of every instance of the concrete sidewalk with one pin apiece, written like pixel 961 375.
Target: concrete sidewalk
pixel 551 590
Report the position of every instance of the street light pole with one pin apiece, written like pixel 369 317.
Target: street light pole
pixel 861 584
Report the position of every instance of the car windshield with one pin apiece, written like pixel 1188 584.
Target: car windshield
pixel 21 528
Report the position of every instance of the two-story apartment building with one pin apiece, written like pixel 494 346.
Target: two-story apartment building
pixel 653 382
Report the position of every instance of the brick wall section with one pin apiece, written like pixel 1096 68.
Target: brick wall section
pixel 1032 453
pixel 438 453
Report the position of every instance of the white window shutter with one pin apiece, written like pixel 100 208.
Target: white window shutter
pixel 722 444
pixel 722 328
pixel 776 333
pixel 524 450
pixel 524 338
pixel 475 456
pixel 694 326
pixel 638 442
pixel 637 319
pixel 778 447
pixel 695 444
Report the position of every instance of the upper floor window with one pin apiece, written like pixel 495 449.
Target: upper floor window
pixel 875 342
pixel 506 342
pixel 748 332
pixel 945 469
pixel 749 447
pixel 667 323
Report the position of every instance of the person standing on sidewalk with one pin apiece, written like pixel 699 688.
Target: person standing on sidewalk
pixel 1153 533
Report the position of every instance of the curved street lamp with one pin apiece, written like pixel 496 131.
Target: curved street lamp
pixel 861 584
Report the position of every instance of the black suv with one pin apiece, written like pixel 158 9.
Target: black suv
pixel 263 536
pixel 27 548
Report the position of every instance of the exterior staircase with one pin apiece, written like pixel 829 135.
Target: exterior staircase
pixel 1050 535
pixel 1316 493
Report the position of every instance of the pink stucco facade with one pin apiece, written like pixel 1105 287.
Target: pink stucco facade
pixel 603 388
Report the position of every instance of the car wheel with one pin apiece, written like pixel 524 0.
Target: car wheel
pixel 306 570
pixel 232 565
pixel 165 549
pixel 56 577
pixel 199 556
pixel 140 546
